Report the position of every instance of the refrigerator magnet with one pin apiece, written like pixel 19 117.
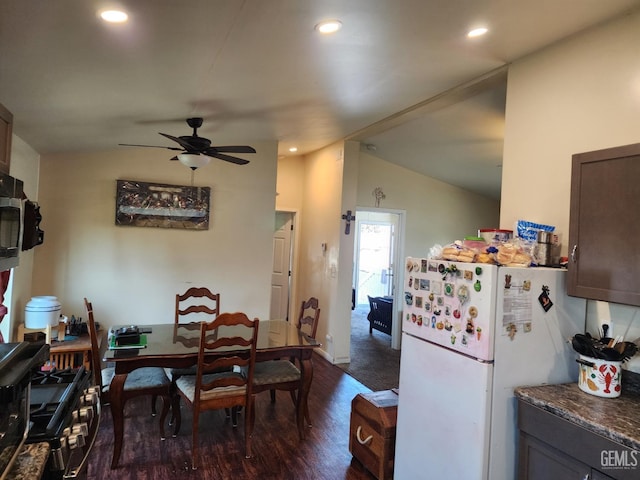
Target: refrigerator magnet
pixel 470 327
pixel 448 289
pixel 408 298
pixel 463 294
pixel 544 299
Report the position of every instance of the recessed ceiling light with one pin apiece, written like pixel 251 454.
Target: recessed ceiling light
pixel 477 32
pixel 329 26
pixel 114 16
pixel 293 149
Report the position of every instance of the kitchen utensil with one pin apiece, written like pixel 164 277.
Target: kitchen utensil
pixel 629 349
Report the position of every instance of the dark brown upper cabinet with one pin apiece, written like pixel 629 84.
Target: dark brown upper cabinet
pixel 6 127
pixel 604 225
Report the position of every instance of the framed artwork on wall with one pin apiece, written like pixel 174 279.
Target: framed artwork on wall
pixel 142 204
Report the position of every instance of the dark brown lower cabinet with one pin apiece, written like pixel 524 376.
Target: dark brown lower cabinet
pixel 552 448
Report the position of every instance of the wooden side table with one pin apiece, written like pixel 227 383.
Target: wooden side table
pixel 70 353
pixel 73 353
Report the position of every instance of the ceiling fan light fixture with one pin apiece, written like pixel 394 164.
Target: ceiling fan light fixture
pixel 193 160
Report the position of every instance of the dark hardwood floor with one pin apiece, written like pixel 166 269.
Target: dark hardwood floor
pixel 278 454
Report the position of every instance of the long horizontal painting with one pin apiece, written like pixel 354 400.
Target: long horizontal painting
pixel 142 204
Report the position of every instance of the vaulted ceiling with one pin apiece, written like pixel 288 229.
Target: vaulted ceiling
pixel 400 76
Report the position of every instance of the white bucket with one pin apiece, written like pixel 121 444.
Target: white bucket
pixel 41 312
pixel 598 377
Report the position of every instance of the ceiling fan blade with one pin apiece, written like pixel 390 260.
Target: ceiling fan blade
pixel 151 146
pixel 228 158
pixel 185 145
pixel 235 149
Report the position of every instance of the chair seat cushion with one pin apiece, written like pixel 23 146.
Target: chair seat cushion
pixel 275 371
pixel 140 378
pixel 187 385
pixel 174 373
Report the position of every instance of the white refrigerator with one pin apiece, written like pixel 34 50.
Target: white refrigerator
pixel 471 333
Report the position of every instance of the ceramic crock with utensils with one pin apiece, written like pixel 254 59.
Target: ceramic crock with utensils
pixel 601 362
pixel 599 377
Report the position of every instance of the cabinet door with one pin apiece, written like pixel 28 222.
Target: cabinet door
pixel 6 123
pixel 596 475
pixel 604 226
pixel 539 461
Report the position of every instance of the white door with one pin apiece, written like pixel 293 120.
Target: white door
pixel 281 273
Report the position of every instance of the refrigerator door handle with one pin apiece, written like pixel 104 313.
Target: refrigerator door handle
pixel 359 437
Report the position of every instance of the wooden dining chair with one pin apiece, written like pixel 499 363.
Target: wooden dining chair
pixel 142 381
pixel 197 304
pixel 224 375
pixel 283 374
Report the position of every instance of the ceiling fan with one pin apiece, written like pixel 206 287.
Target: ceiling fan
pixel 193 147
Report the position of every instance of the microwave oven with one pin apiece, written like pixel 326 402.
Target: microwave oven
pixel 11 192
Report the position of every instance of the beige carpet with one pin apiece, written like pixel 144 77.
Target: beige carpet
pixel 373 362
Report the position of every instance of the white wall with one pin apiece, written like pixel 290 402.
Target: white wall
pixel 320 223
pixel 580 95
pixel 131 274
pixel 436 212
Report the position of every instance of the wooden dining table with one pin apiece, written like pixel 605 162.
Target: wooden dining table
pixel 176 346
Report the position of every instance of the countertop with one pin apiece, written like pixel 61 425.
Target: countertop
pixel 617 419
pixel 30 462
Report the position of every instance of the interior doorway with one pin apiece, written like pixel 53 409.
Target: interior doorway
pixel 377 266
pixel 281 271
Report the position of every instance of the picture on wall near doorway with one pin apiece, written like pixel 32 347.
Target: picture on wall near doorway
pixel 142 204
